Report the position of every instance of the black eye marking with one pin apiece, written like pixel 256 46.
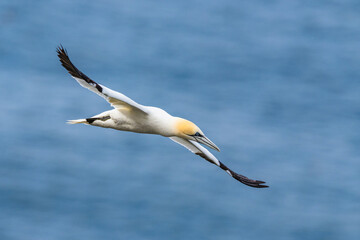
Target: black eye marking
pixel 197 134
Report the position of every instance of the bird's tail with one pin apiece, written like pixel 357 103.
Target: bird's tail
pixel 76 121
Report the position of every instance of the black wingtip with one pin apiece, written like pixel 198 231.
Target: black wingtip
pixel 66 63
pixel 243 179
pixel 61 51
pixel 70 67
pixel 248 181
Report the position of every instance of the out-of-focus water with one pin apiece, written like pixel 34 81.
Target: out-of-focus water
pixel 275 84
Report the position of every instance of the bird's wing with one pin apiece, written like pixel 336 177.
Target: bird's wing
pixel 116 99
pixel 196 148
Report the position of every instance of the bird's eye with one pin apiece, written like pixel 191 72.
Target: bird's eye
pixel 197 134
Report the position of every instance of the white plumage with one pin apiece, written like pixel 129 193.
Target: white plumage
pixel 129 115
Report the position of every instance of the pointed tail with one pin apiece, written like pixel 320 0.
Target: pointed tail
pixel 76 121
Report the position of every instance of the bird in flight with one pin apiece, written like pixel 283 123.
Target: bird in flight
pixel 131 116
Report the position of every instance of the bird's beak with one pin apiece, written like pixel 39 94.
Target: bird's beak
pixel 204 140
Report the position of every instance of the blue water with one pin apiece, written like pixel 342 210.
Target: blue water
pixel 275 84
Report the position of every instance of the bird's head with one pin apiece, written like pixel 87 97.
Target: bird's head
pixel 188 130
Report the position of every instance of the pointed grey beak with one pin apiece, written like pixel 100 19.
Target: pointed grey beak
pixel 204 140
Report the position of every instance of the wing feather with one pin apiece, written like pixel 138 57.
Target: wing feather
pixel 196 148
pixel 116 99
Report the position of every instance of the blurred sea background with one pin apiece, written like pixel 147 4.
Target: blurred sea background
pixel 275 84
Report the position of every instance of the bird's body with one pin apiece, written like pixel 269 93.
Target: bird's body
pixel 128 115
pixel 157 121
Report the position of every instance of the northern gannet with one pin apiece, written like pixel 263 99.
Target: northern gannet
pixel 131 116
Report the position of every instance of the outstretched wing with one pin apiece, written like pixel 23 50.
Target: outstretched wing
pixel 116 99
pixel 196 148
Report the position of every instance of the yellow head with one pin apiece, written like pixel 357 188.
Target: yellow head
pixel 188 130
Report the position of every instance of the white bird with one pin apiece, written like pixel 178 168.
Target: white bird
pixel 131 116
